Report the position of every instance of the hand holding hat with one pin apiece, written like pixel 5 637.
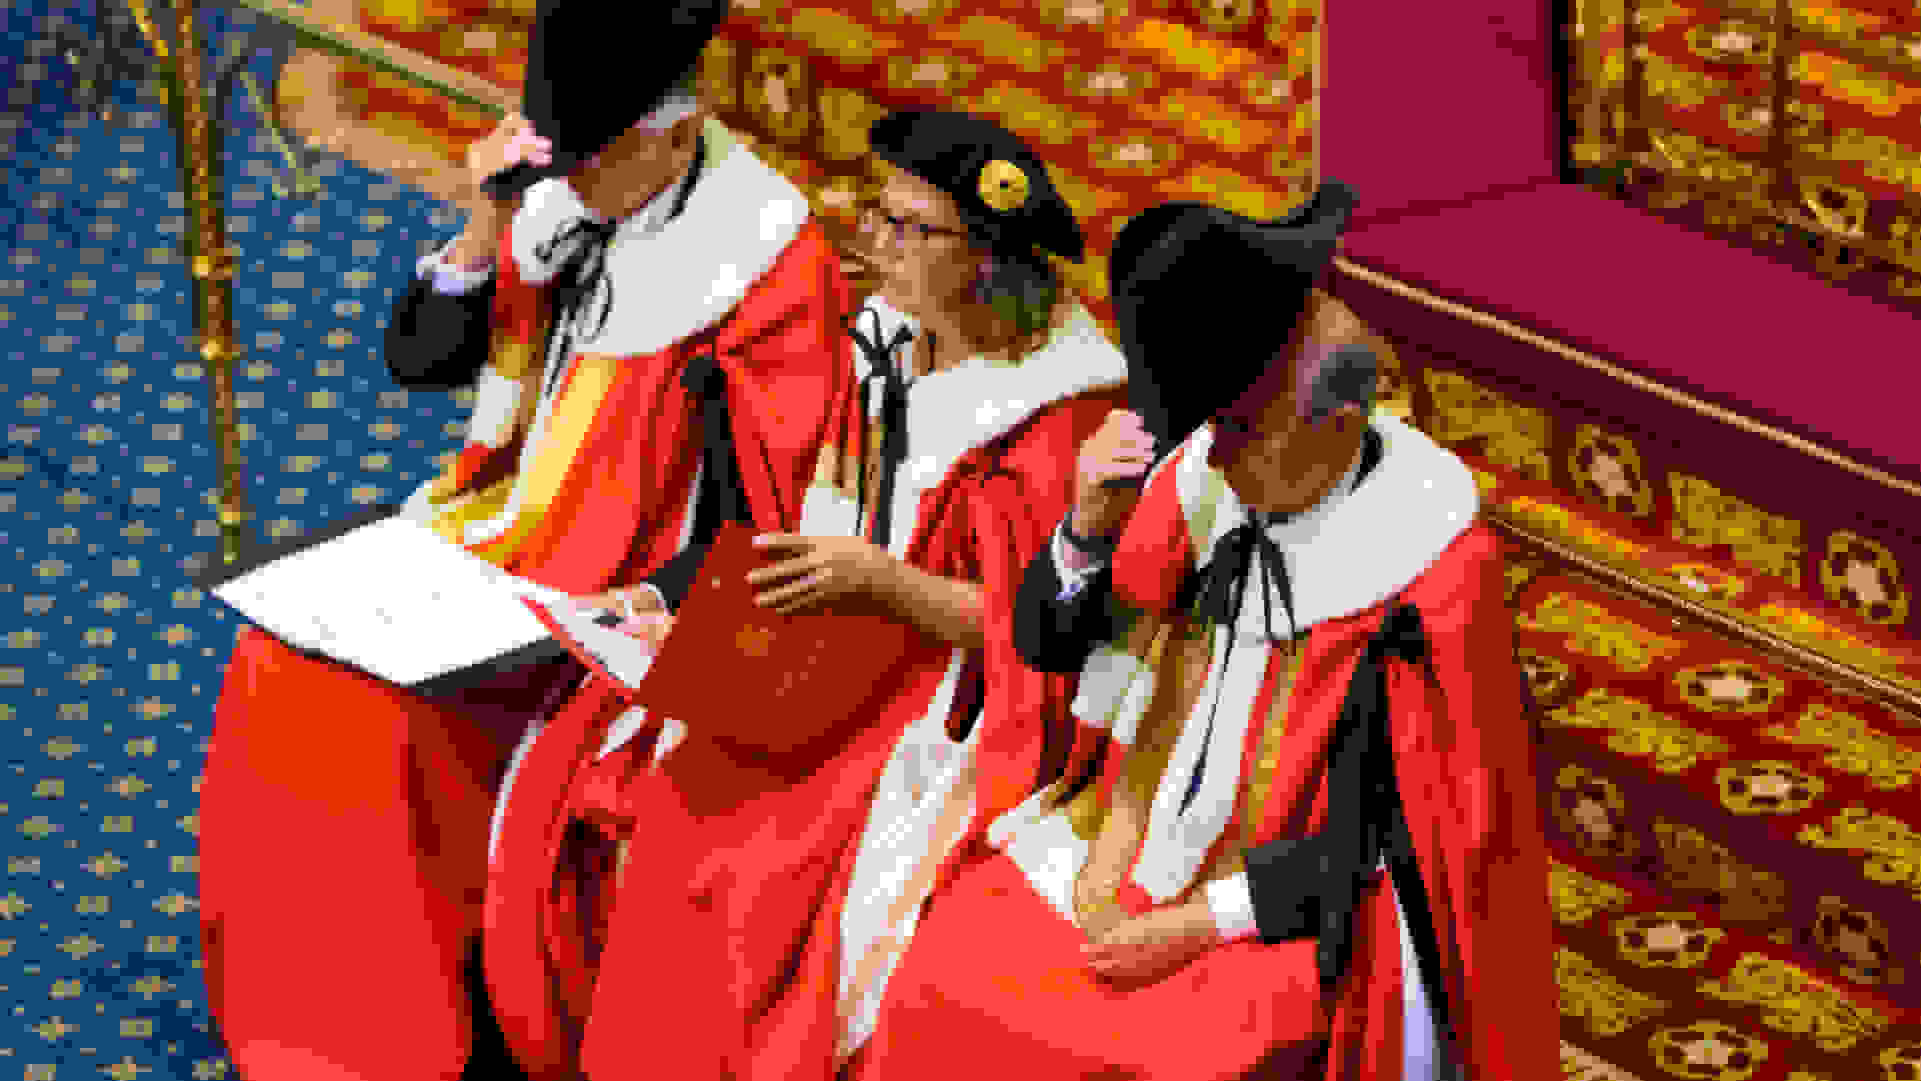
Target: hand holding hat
pixel 511 142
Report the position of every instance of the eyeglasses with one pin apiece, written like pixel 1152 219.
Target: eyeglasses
pixel 880 223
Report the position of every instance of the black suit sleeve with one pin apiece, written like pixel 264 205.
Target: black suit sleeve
pixel 1053 635
pixel 438 342
pixel 676 576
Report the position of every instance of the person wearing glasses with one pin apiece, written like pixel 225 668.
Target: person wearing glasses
pixel 1299 836
pixel 651 322
pixel 624 913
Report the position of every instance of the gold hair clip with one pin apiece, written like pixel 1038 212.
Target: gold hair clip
pixel 1003 186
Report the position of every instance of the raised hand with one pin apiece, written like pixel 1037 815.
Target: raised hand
pixel 1112 463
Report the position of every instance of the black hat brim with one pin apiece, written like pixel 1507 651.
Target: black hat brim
pixel 1205 299
pixel 948 149
pixel 510 182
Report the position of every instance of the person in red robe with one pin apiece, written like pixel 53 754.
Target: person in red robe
pixel 1302 837
pixel 658 350
pixel 985 376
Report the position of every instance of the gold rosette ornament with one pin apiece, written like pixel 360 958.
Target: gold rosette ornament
pixel 1003 186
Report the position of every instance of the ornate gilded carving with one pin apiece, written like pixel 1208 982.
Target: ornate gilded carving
pixel 1142 153
pixel 1607 1006
pixel 1598 632
pixel 720 74
pixel 1231 190
pixel 1634 727
pixel 941 73
pixel 1705 515
pixel 1729 687
pixel 1001 40
pixel 779 91
pixel 845 116
pixel 1549 679
pixel 1093 14
pixel 1224 16
pixel 1512 435
pixel 1607 469
pixel 839 36
pixel 1665 939
pixel 1566 525
pixel 1733 41
pixel 1805 626
pixel 1697 868
pixel 1853 746
pixel 1709 1050
pixel 1206 116
pixel 1592 812
pixel 1892 847
pixel 1026 112
pixel 1752 788
pixel 1705 582
pixel 1578 898
pixel 1858 940
pixel 1864 576
pixel 1902 1062
pixel 1111 81
pixel 1794 1002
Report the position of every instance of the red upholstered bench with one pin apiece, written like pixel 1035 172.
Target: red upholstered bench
pixel 1546 331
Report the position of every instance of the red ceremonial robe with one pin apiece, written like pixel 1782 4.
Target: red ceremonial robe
pixel 733 854
pixel 995 973
pixel 344 820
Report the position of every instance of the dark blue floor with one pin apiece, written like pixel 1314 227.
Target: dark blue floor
pixel 112 659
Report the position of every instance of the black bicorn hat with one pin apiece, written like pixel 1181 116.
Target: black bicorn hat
pixel 1205 299
pixel 589 80
pixel 1001 187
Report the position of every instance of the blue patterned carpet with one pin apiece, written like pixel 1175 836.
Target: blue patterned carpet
pixel 112 659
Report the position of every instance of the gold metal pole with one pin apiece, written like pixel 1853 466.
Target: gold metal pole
pixel 210 262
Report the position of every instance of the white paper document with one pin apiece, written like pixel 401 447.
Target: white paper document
pixel 394 600
pixel 624 657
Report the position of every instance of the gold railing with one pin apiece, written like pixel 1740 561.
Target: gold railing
pixel 1552 554
pixel 1788 182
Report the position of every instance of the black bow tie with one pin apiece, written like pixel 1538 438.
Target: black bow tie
pixel 883 364
pixel 1222 588
pixel 581 283
pixel 1222 585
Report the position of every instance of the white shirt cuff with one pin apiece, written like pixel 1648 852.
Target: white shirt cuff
pixel 1232 902
pixel 1075 568
pixel 450 280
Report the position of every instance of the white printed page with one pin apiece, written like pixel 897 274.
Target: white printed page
pixel 394 600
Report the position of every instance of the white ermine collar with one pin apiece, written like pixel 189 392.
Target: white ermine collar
pixel 674 278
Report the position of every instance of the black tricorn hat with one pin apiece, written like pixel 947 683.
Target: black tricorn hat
pixel 1002 189
pixel 588 80
pixel 1205 299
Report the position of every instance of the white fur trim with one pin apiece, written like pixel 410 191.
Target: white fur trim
pixel 496 402
pixel 1109 674
pixel 1231 900
pixel 827 512
pixel 1043 844
pixel 1354 550
pixel 676 278
pixel 1176 841
pixel 992 399
pixel 896 841
pixel 1345 555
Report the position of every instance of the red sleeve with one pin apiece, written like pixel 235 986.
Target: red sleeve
pixel 1465 760
pixel 790 374
pixel 1016 511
